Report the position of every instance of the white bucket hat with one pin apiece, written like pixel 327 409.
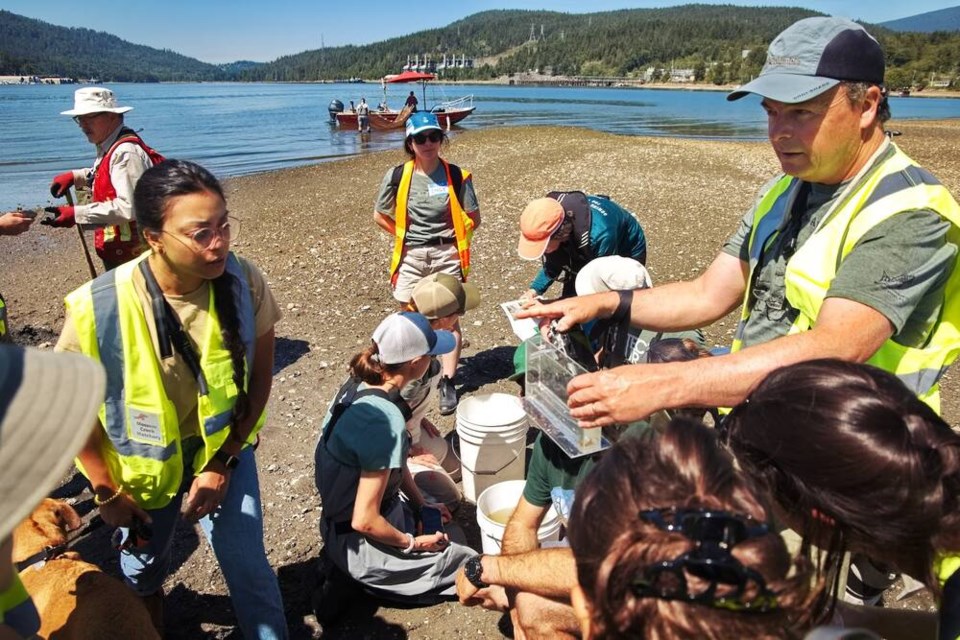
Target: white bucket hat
pixel 94 100
pixel 48 402
pixel 612 273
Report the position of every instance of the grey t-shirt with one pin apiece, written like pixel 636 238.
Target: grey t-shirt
pixel 900 268
pixel 427 204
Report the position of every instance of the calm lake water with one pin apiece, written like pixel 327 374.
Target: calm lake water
pixel 237 129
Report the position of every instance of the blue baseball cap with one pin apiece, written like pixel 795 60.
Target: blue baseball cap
pixel 422 121
pixel 814 55
pixel 403 336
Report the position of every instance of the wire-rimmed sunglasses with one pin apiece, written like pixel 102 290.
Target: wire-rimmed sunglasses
pixel 228 231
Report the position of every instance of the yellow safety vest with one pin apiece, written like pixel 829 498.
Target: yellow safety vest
pixel 462 223
pixel 3 318
pixel 143 450
pixel 17 609
pixel 892 184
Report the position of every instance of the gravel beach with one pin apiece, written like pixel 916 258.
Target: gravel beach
pixel 311 231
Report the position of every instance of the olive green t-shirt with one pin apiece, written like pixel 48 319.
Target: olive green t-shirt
pixel 900 268
pixel 427 204
pixel 192 308
pixel 550 467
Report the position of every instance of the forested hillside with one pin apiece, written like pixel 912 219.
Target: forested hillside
pixel 942 20
pixel 31 47
pixel 718 43
pixel 721 43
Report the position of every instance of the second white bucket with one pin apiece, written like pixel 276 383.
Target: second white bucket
pixel 494 507
pixel 493 438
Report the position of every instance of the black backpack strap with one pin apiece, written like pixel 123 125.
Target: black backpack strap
pixel 456 174
pixel 350 393
pixel 396 176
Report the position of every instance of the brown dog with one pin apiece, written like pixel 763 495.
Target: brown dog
pixel 76 600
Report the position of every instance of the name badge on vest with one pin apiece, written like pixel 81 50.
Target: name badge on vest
pixel 437 190
pixel 144 426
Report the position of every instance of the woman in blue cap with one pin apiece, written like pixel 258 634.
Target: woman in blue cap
pixel 429 207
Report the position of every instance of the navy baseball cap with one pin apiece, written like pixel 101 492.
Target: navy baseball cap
pixel 814 55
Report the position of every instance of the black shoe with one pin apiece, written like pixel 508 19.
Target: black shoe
pixel 448 396
pixel 333 593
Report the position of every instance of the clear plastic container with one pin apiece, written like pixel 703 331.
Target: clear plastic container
pixel 545 401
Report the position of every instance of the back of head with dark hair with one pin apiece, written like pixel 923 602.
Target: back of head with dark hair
pixel 613 545
pixel 855 455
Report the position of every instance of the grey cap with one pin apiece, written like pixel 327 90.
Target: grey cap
pixel 814 55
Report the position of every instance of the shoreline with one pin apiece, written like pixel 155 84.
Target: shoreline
pixel 310 230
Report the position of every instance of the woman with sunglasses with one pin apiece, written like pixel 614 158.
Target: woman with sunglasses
pixel 185 332
pixel 682 550
pixel 429 207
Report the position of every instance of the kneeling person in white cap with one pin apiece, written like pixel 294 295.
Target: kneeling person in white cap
pixel 122 157
pixel 442 299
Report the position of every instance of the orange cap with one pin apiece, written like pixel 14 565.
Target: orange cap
pixel 538 222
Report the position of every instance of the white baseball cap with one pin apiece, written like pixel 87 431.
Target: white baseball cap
pixel 48 402
pixel 403 336
pixel 94 100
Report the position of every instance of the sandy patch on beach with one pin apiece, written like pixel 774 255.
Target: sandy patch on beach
pixel 311 230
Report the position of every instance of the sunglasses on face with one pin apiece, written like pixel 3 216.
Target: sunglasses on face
pixel 433 136
pixel 87 117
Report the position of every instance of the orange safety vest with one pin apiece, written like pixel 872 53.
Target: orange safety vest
pixel 462 223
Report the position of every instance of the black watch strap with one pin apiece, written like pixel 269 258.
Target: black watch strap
pixel 623 305
pixel 229 461
pixel 473 569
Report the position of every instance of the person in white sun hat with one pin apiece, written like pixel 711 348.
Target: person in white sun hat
pixel 122 157
pixel 40 432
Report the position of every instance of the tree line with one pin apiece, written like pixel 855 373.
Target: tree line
pixel 720 44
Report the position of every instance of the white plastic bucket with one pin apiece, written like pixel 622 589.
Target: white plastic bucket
pixel 493 437
pixel 500 500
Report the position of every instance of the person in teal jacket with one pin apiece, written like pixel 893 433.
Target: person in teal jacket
pixel 566 230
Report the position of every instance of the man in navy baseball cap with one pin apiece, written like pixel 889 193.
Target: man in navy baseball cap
pixel 815 55
pixel 849 253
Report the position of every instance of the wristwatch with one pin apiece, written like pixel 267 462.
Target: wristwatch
pixel 229 461
pixel 473 569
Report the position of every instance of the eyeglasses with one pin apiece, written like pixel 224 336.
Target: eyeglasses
pixel 87 117
pixel 202 238
pixel 433 136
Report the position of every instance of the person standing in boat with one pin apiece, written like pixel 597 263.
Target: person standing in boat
pixel 430 208
pixel 363 116
pixel 412 102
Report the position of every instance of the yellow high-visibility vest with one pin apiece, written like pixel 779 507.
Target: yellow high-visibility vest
pixel 893 184
pixel 17 609
pixel 143 450
pixel 462 223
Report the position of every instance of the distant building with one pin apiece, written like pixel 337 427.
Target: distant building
pixel 681 75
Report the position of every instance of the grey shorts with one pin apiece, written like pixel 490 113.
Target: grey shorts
pixel 419 262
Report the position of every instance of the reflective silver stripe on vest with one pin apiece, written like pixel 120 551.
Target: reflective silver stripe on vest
pixel 768 226
pixel 107 318
pixel 921 382
pixel 904 179
pixel 239 291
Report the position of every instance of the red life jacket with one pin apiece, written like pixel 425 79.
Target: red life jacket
pixel 117 244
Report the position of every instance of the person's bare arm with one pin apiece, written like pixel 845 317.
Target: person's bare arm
pixel 385 222
pixel 520 533
pixel 550 573
pixel 676 306
pixel 844 329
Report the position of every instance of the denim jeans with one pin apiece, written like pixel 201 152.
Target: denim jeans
pixel 235 532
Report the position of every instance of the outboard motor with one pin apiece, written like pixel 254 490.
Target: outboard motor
pixel 334 108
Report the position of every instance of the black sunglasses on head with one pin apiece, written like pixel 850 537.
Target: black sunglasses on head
pixel 433 136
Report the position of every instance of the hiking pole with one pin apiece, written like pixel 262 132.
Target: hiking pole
pixel 83 240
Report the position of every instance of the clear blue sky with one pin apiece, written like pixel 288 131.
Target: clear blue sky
pixel 263 30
